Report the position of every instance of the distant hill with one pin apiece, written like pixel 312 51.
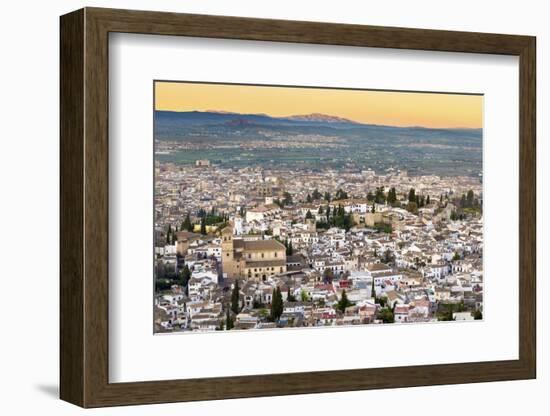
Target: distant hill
pixel 323 118
pixel 220 117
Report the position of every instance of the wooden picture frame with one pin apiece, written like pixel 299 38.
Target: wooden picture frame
pixel 84 207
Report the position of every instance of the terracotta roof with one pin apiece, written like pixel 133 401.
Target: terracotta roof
pixel 263 245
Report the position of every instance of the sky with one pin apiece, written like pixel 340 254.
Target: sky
pixel 365 106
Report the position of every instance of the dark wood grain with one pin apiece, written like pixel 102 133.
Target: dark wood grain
pixel 71 100
pixel 84 207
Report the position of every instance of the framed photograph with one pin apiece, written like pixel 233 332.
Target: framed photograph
pixel 257 207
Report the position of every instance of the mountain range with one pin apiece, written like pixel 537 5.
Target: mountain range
pixel 232 139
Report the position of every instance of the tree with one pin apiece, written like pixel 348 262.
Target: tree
pixel 412 207
pixel 228 320
pixel 289 248
pixel 380 196
pixel 185 276
pixel 456 256
pixel 186 224
pixel 316 194
pixel 304 297
pixel 340 194
pixel 308 199
pixel 327 196
pixel 478 315
pixel 388 256
pixel 373 290
pixel 386 316
pixel 169 234
pixel 287 199
pixel 344 302
pixel 370 196
pixel 412 195
pixel 392 196
pixel 328 275
pixel 446 315
pixel 309 215
pixel 235 295
pixel 203 226
pixel 373 208
pixel 162 285
pixel 276 304
pixel 428 200
pixel 470 199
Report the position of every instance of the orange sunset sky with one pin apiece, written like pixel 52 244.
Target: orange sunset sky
pixel 365 106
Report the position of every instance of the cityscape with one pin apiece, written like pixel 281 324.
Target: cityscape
pixel 313 219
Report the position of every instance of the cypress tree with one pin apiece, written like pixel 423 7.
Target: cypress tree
pixel 235 298
pixel 289 249
pixel 169 234
pixel 276 304
pixel 203 226
pixel 412 195
pixel 344 302
pixel 228 320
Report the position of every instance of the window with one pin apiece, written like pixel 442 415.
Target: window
pixel 262 255
pixel 276 254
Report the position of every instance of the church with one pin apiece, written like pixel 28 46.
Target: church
pixel 251 259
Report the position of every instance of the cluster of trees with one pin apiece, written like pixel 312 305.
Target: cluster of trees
pixel 171 236
pixel 206 218
pixel 467 204
pixel 392 197
pixel 186 224
pixel 457 215
pixel 276 308
pixel 386 314
pixel 446 310
pixel 340 194
pixel 316 195
pixel 416 201
pixel 383 228
pixel 469 200
pixel 336 217
pixel 379 196
pixel 286 201
pixel 289 248
pixel 212 217
pixel 164 279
